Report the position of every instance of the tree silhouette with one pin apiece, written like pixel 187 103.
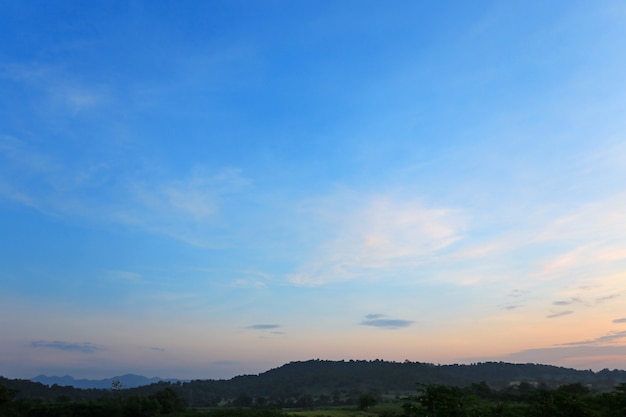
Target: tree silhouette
pixel 366 401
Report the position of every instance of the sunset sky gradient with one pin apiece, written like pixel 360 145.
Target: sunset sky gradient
pixel 203 189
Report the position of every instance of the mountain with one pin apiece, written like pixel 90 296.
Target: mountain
pixel 323 377
pixel 127 381
pixel 324 382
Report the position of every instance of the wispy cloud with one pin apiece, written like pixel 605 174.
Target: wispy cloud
pixel 128 276
pixel 559 314
pixel 376 320
pixel 250 279
pixel 588 235
pixel 377 236
pixel 263 326
pixel 85 347
pixel 31 173
pixel 606 339
pixel 248 283
pixel 157 349
pixel 622 320
pixel 563 355
pixel 606 298
pixel 567 302
pixel 60 93
pixel 183 207
pixel 517 293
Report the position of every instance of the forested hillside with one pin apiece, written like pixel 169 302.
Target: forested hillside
pixel 320 382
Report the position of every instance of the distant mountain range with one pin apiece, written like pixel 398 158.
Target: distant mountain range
pixel 317 375
pixel 323 382
pixel 127 381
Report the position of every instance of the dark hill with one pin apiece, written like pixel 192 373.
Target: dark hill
pixel 127 381
pixel 338 382
pixel 323 376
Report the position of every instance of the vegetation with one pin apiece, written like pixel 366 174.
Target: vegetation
pixel 342 389
pixel 318 383
pixel 165 402
pixel 571 400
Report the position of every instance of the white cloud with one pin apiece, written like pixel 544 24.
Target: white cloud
pixel 565 246
pixel 127 276
pixel 376 237
pixel 62 93
pixel 185 207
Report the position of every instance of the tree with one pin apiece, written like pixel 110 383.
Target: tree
pixel 168 401
pixel 244 400
pixel 6 400
pixel 441 401
pixel 366 401
pixel 137 406
pixel 6 395
pixel 116 385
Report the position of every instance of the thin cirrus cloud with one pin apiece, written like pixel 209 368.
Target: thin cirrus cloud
pixel 599 349
pixel 606 298
pixel 59 90
pixel 376 237
pixel 157 349
pixel 378 320
pixel 195 195
pixel 185 209
pixel 590 236
pixel 559 314
pixel 564 355
pixel 182 207
pixel 606 339
pixel 566 302
pixel 84 347
pixel 263 326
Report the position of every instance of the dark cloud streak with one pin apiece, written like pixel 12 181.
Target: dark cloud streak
pixel 609 338
pixel 85 347
pixel 375 320
pixel 263 326
pixel 559 314
pixel 606 298
pixel 556 354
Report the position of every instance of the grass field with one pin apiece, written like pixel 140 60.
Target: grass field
pixel 376 411
pixel 385 409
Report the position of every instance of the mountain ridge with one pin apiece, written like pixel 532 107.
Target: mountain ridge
pixel 127 380
pixel 326 382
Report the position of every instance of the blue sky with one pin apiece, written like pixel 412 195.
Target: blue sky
pixel 205 189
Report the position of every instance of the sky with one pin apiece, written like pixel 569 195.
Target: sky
pixel 205 189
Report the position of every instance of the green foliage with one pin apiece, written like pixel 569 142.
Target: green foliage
pixel 161 403
pixel 507 390
pixel 366 401
pixel 570 400
pixel 442 401
pixel 137 406
pixel 169 402
pixel 246 412
pixel 6 396
pixel 318 383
